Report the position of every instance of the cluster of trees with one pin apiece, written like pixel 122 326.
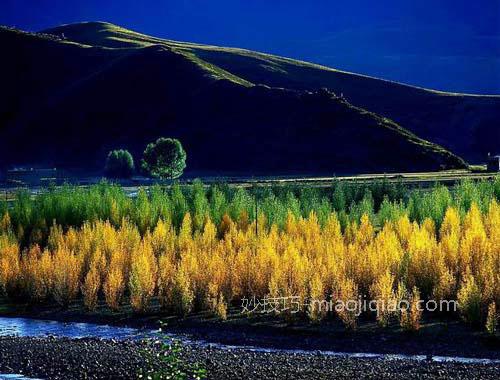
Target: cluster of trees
pixel 164 158
pixel 210 267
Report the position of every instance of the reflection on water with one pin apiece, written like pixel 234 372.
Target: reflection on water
pixel 15 377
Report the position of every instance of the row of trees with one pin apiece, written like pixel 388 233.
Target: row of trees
pixel 164 158
pixel 69 206
pixel 201 269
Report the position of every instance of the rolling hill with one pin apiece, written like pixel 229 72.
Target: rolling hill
pixel 468 125
pixel 72 93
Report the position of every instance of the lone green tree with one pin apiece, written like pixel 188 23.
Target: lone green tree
pixel 119 164
pixel 164 158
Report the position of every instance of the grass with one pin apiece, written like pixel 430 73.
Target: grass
pixel 109 33
pixel 216 71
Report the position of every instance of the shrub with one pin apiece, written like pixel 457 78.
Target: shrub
pixel 383 292
pixel 215 301
pixel 469 300
pixel 5 224
pixel 220 309
pixel 36 274
pixel 166 274
pixel 410 317
pixel 9 267
pixel 182 293
pixel 92 281
pixel 316 310
pixel 114 284
pixel 165 158
pixel 142 280
pixel 65 271
pixel 200 205
pixel 445 287
pixel 90 288
pixel 492 319
pixel 119 164
pixel 347 294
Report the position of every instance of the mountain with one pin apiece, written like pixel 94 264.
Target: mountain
pixel 468 125
pixel 72 93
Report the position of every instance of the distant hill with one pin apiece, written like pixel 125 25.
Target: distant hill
pixel 468 125
pixel 71 94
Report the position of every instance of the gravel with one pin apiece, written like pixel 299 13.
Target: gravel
pixel 258 365
pixel 89 358
pixel 64 358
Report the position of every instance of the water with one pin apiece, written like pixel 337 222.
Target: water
pixel 26 327
pixel 359 355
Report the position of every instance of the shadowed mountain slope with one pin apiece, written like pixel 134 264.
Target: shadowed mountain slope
pixel 68 101
pixel 468 125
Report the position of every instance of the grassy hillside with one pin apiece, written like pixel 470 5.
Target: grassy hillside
pixel 67 101
pixel 466 124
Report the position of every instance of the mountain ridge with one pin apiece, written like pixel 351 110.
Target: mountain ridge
pixel 467 124
pixel 70 102
pixel 107 27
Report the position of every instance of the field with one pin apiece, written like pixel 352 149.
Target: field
pixel 195 248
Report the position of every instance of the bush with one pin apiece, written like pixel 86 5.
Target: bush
pixel 347 293
pixel 119 164
pixel 142 277
pixel 114 285
pixel 469 300
pixel 5 222
pixel 492 319
pixel 383 292
pixel 90 288
pixel 92 282
pixel 9 266
pixel 316 310
pixel 36 274
pixel 166 273
pixel 182 293
pixel 165 158
pixel 410 317
pixel 215 301
pixel 66 268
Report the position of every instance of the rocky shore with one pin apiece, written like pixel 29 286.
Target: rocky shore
pixel 62 358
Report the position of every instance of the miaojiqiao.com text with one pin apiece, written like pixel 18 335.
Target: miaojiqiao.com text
pixel 295 304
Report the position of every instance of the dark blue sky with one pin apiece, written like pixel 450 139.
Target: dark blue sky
pixel 445 44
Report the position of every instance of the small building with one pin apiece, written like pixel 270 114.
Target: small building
pixel 493 163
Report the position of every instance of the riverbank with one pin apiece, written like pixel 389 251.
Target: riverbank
pixel 444 337
pixel 63 358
